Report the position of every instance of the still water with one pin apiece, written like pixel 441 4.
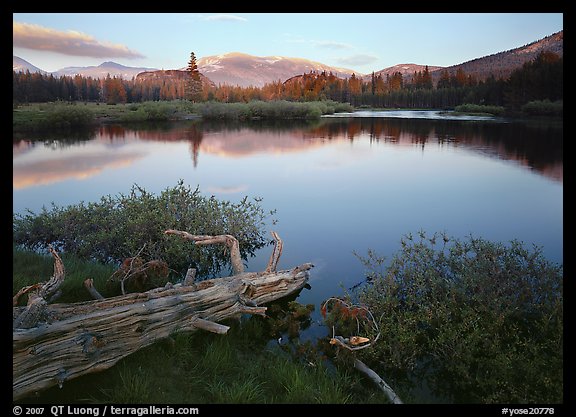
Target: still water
pixel 340 185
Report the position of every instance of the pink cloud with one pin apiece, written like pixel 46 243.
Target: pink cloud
pixel 30 36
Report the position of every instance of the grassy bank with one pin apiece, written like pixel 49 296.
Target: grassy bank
pixel 532 109
pixel 479 110
pixel 72 115
pixel 196 368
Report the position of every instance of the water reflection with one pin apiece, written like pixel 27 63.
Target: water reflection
pixel 36 162
pixel 340 185
pixel 42 172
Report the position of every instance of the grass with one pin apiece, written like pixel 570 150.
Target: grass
pixel 200 368
pixel 62 115
pixel 31 267
pixel 195 368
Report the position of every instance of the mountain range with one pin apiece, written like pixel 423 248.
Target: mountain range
pixel 21 65
pixel 235 68
pixel 102 70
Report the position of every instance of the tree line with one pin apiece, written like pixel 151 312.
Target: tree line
pixel 540 79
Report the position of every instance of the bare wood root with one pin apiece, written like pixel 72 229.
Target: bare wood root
pixel 230 241
pixel 276 253
pixel 29 288
pixel 392 396
pixel 34 312
pixel 47 290
pixel 53 285
pixel 40 295
pixel 89 285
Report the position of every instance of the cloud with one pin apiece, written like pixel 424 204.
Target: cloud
pixel 227 190
pixel 30 36
pixel 225 18
pixel 360 59
pixel 332 44
pixel 291 38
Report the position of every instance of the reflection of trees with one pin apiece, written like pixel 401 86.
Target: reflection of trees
pixel 112 132
pixel 260 126
pixel 194 136
pixel 163 132
pixel 538 146
pixel 63 137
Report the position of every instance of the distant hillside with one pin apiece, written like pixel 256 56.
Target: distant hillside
pixel 102 70
pixel 247 70
pixel 407 70
pixel 170 74
pixel 21 65
pixel 502 64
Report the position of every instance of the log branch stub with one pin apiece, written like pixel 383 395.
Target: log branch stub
pixel 23 291
pixel 190 276
pixel 51 287
pixel 392 396
pixel 34 312
pixel 210 326
pixel 89 285
pixel 230 241
pixel 276 253
pixel 302 268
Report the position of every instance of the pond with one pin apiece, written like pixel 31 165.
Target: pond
pixel 340 185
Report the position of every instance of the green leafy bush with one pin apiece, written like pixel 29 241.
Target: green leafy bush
pixel 544 108
pixel 480 109
pixel 54 116
pixel 276 109
pixel 483 322
pixel 157 111
pixel 119 227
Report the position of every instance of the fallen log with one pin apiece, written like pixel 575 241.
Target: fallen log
pixel 70 340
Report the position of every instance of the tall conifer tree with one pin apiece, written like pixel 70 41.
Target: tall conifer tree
pixel 194 84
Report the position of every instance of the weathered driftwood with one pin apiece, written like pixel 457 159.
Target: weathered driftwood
pixel 70 340
pixel 354 343
pixel 362 367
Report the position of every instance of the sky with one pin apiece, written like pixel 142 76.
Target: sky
pixel 362 42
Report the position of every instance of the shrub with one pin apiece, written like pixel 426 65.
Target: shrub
pixel 276 109
pixel 544 108
pixel 480 109
pixel 66 116
pixel 480 320
pixel 119 227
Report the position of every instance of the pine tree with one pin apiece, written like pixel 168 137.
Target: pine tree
pixel 194 83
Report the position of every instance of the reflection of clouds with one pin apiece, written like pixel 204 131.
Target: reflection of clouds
pixel 227 189
pixel 21 147
pixel 246 142
pixel 54 170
